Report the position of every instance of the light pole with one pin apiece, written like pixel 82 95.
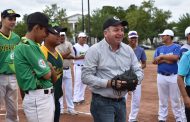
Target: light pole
pixel 82 17
pixel 89 21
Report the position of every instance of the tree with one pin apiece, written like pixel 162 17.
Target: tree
pixel 57 16
pixel 184 22
pixel 20 27
pixel 99 16
pixel 147 20
pixel 138 20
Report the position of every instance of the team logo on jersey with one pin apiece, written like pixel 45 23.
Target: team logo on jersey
pixel 12 56
pixel 42 63
pixel 82 53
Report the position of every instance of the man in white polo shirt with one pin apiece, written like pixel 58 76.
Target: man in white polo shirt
pixel 80 50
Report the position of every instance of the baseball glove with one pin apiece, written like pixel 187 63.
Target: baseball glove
pixel 126 81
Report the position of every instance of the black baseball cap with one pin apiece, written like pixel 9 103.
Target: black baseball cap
pixel 60 29
pixel 113 21
pixel 9 13
pixel 41 19
pixel 52 30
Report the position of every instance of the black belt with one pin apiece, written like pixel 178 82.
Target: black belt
pixel 4 73
pixel 80 65
pixel 46 91
pixel 65 68
pixel 107 98
pixel 167 74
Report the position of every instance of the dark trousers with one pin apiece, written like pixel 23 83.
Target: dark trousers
pixel 187 110
pixel 57 110
pixel 58 92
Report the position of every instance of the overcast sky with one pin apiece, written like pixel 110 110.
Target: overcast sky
pixel 177 7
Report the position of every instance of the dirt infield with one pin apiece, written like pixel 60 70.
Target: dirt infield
pixel 148 109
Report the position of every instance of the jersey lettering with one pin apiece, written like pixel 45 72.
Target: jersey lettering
pixel 7 47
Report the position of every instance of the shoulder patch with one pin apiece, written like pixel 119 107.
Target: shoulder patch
pixel 41 63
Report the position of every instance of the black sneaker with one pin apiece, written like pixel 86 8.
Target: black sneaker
pixel 82 102
pixel 76 103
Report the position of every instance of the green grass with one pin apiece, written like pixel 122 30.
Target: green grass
pixel 149 55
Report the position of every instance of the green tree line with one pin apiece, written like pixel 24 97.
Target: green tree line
pixel 146 19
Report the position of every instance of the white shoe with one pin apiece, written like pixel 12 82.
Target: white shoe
pixel 72 112
pixel 62 111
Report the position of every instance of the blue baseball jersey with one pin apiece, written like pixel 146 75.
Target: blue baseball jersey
pixel 184 67
pixel 173 49
pixel 184 49
pixel 140 53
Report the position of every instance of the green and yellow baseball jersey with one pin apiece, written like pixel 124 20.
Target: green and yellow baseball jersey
pixel 57 63
pixel 30 66
pixel 7 44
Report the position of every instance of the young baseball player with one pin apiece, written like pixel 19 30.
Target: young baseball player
pixel 34 74
pixel 104 61
pixel 67 52
pixel 184 75
pixel 80 50
pixel 166 58
pixel 8 83
pixel 141 56
pixel 56 60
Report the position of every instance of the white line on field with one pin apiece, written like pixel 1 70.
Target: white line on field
pixel 86 113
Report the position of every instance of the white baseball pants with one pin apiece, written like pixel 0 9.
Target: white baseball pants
pixel 79 87
pixel 168 89
pixel 67 90
pixel 135 103
pixel 9 94
pixel 39 107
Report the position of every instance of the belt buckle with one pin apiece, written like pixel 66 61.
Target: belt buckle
pixel 65 68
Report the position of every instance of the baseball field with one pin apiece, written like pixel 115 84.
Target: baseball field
pixel 148 107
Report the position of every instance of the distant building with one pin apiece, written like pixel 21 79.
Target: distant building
pixel 73 20
pixel 73 26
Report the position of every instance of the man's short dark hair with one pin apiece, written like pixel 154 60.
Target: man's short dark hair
pixel 30 26
pixel 38 18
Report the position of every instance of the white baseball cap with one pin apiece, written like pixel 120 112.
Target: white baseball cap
pixel 187 31
pixel 167 32
pixel 62 33
pixel 132 34
pixel 82 34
